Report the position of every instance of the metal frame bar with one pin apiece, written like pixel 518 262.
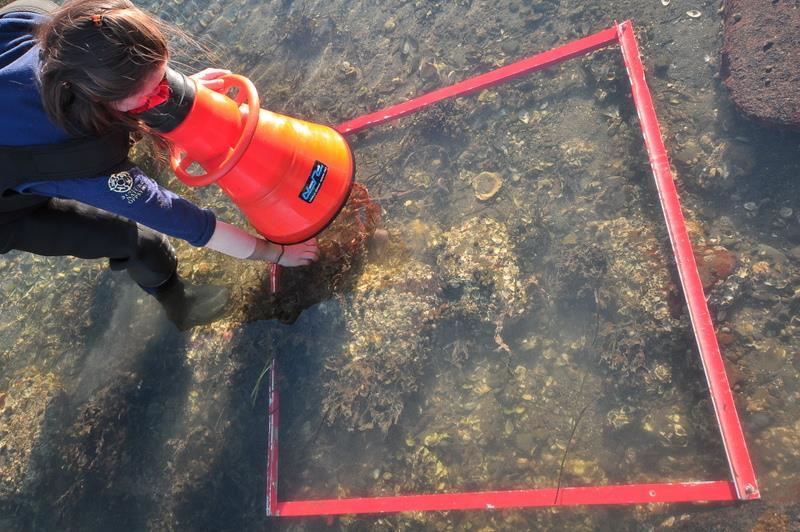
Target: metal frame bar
pixel 743 485
pixel 500 75
pixel 272 442
pixel 492 500
pixel 732 437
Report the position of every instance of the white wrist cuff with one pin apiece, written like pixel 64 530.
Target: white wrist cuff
pixel 231 240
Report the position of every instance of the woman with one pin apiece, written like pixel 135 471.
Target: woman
pixel 74 82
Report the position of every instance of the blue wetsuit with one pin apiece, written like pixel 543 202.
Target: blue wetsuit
pixel 24 122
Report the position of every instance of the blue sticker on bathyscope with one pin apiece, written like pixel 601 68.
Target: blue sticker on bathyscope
pixel 314 182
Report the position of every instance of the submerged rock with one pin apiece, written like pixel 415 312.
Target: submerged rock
pixel 392 308
pixel 386 320
pixel 479 258
pixel 633 293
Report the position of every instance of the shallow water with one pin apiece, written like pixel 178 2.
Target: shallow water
pixel 531 339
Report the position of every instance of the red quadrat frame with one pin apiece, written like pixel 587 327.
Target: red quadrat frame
pixel 741 486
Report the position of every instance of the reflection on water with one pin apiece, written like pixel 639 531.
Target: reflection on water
pixel 520 328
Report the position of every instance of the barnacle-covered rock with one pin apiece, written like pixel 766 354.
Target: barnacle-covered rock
pixel 637 272
pixel 386 320
pixel 479 258
pixel 641 324
pixel 578 271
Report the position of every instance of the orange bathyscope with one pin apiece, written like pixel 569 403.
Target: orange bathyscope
pixel 289 177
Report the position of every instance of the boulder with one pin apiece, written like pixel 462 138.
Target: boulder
pixel 761 60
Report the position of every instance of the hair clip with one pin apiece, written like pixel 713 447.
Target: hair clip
pixel 97 20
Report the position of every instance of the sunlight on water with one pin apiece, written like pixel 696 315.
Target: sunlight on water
pixel 520 327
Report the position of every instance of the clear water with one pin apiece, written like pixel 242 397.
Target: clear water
pixel 590 377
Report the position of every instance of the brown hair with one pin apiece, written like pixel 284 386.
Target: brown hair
pixel 95 52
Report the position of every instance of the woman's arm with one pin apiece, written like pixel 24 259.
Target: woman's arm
pixel 134 195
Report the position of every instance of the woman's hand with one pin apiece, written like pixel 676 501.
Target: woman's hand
pixel 301 254
pixel 209 78
pixel 235 242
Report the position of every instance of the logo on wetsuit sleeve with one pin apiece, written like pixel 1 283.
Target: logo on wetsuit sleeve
pixel 127 186
pixel 314 182
pixel 120 182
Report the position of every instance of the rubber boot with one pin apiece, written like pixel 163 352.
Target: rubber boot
pixel 189 305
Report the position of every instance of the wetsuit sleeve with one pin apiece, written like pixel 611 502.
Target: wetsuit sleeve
pixel 134 195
